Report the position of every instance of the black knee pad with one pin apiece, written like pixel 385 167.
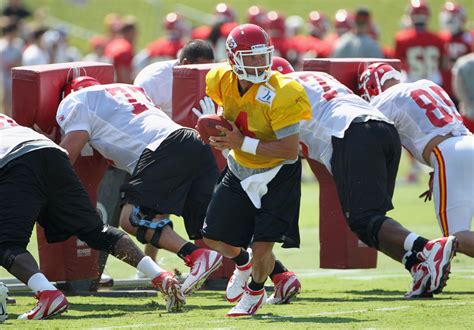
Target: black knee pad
pixel 367 228
pixel 143 219
pixel 9 252
pixel 102 238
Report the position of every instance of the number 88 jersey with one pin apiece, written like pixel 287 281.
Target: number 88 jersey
pixel 420 110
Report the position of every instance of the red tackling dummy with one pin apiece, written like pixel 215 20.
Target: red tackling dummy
pixel 206 126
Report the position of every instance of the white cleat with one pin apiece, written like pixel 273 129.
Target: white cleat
pixel 287 286
pixel 203 262
pixel 50 303
pixel 250 302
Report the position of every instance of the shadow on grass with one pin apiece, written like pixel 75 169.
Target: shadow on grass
pixel 270 317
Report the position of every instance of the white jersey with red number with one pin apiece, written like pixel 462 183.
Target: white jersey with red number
pixel 420 110
pixel 334 107
pixel 121 121
pixel 157 81
pixel 12 135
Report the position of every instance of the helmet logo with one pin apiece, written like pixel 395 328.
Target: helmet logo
pixel 231 44
pixel 259 47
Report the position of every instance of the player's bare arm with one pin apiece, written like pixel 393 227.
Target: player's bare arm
pixel 73 142
pixel 286 148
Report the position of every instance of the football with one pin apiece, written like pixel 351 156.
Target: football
pixel 206 126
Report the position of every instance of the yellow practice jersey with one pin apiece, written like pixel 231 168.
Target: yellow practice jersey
pixel 262 110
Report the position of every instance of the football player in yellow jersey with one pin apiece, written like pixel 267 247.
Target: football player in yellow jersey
pixel 258 196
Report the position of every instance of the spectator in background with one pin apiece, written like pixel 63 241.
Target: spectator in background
pixel 457 40
pixel 257 15
pixel 420 51
pixel 343 22
pixel 56 43
pixel 36 52
pixel 166 48
pixel 97 45
pixel 10 55
pixel 224 21
pixel 120 50
pixel 358 43
pixel 112 25
pixel 16 10
pixel 463 87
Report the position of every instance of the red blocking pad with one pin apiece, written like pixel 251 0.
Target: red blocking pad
pixel 36 95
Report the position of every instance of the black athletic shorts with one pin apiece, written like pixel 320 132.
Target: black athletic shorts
pixel 41 185
pixel 177 178
pixel 233 219
pixel 364 166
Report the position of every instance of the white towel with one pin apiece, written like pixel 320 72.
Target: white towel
pixel 256 185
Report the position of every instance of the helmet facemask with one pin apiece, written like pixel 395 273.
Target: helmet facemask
pixel 254 74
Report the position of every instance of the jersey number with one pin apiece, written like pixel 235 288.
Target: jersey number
pixel 128 92
pixel 423 61
pixel 438 114
pixel 242 123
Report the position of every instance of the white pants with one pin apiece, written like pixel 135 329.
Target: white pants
pixel 453 183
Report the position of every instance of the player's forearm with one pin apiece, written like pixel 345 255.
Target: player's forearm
pixel 286 148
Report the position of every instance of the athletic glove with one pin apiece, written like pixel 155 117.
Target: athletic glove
pixel 429 193
pixel 207 107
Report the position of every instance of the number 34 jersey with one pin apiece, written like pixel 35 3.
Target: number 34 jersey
pixel 120 119
pixel 420 110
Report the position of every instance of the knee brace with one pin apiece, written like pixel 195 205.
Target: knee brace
pixel 146 222
pixel 9 252
pixel 367 228
pixel 102 238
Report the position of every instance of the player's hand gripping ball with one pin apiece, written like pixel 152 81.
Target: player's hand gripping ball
pixel 206 126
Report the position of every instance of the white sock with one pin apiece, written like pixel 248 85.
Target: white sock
pixel 38 282
pixel 409 240
pixel 148 267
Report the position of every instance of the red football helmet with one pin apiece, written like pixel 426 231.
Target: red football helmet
pixel 257 15
pixel 318 24
pixel 175 26
pixel 243 43
pixel 281 65
pixel 224 13
pixel 419 12
pixel 276 25
pixel 373 78
pixel 79 83
pixel 343 21
pixel 452 17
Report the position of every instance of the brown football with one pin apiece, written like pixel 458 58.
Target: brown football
pixel 206 126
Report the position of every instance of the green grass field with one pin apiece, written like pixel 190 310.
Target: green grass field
pixel 371 298
pixel 330 298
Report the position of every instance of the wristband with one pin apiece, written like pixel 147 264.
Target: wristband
pixel 250 145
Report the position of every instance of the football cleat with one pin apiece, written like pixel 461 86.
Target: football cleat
pixel 237 282
pixel 421 281
pixel 3 302
pixel 250 302
pixel 169 286
pixel 437 254
pixel 50 303
pixel 203 262
pixel 287 286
